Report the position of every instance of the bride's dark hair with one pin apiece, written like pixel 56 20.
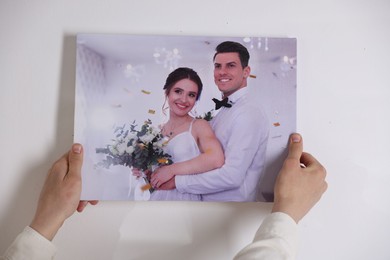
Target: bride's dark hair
pixel 183 73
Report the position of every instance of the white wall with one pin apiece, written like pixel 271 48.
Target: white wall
pixel 343 114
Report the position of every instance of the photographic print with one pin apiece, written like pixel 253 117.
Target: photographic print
pixel 183 118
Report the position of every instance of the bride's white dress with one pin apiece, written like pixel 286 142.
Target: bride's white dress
pixel 181 147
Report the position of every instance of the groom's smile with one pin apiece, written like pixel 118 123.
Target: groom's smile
pixel 229 75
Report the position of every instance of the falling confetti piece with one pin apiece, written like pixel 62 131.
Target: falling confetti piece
pixel 116 105
pixel 277 136
pixel 162 161
pixel 151 111
pixel 146 92
pixel 276 124
pixel 146 187
pixel 252 76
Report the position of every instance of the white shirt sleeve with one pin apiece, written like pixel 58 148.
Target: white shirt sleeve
pixel 277 238
pixel 30 245
pixel 244 138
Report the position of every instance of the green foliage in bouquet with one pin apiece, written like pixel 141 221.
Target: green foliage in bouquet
pixel 207 116
pixel 142 149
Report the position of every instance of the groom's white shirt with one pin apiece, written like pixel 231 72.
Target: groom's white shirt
pixel 243 133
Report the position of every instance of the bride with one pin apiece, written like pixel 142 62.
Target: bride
pixel 192 144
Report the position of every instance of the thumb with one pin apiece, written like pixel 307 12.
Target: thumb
pixel 295 147
pixel 75 160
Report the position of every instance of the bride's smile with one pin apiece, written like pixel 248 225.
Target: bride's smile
pixel 182 97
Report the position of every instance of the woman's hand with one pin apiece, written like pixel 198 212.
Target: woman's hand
pixel 60 195
pixel 160 176
pixel 139 173
pixel 298 188
pixel 136 172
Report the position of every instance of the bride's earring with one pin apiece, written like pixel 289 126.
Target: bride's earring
pixel 165 107
pixel 193 111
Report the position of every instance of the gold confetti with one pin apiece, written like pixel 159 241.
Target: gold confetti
pixel 252 76
pixel 151 111
pixel 165 143
pixel 146 92
pixel 146 187
pixel 276 124
pixel 162 160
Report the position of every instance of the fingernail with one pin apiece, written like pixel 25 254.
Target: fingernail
pixel 76 148
pixel 295 138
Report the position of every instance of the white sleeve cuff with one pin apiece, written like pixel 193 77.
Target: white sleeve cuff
pixel 277 239
pixel 30 245
pixel 279 224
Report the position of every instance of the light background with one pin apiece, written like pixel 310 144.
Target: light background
pixel 118 81
pixel 343 114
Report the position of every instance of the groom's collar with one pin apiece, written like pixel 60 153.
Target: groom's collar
pixel 237 95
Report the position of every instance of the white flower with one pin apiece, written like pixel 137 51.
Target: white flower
pixel 113 150
pixel 162 142
pixel 147 138
pixel 154 130
pixel 130 149
pixel 131 136
pixel 121 148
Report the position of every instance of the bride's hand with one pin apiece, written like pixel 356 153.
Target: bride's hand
pixel 139 173
pixel 160 176
pixel 136 172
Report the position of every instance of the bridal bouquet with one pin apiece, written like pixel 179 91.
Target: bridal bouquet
pixel 141 149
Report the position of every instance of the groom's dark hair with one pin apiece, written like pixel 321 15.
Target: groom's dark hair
pixel 229 46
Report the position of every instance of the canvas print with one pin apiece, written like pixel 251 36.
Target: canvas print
pixel 183 118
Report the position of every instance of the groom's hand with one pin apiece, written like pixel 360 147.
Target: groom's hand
pixel 169 185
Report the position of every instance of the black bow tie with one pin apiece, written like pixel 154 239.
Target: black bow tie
pixel 221 103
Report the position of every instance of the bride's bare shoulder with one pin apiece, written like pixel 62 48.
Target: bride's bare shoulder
pixel 201 125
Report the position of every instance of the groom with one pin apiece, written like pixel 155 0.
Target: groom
pixel 242 129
